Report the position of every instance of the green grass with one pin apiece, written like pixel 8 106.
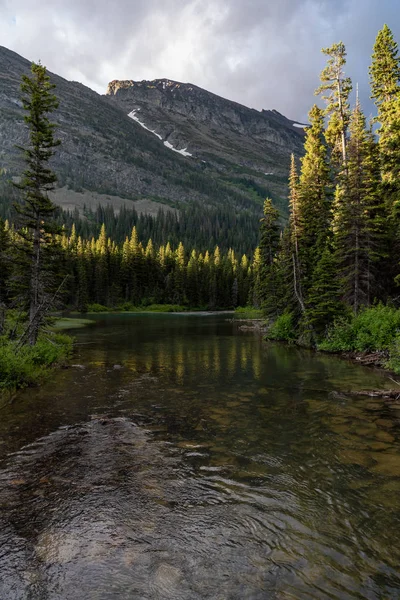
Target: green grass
pixel 249 312
pixel 155 308
pixel 71 323
pixel 29 365
pixel 131 308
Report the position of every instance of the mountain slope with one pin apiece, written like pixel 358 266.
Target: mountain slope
pixel 208 126
pixel 106 152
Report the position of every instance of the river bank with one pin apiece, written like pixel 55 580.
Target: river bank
pixel 26 366
pixel 379 359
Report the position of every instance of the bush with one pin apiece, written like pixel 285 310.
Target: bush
pixel 127 307
pixel 394 355
pixel 283 329
pixel 249 312
pixel 373 329
pixel 29 365
pixel 97 308
pixel 165 308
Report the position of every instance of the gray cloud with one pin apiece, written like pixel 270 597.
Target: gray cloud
pixel 262 53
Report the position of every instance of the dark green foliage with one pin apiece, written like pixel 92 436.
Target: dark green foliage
pixel 340 253
pixel 198 226
pixel 20 367
pixel 104 275
pixel 359 218
pixel 267 282
pixel 385 90
pixel 283 329
pixel 323 301
pixel 314 203
pixel 335 89
pixel 373 329
pixel 36 245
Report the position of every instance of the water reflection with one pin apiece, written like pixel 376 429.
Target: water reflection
pixel 210 465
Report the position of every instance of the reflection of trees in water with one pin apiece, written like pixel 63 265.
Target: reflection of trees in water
pixel 183 360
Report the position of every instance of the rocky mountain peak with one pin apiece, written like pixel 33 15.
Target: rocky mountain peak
pixel 208 126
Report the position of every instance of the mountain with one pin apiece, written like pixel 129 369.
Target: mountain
pixel 224 135
pixel 152 143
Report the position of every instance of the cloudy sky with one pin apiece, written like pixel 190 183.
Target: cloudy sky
pixel 262 53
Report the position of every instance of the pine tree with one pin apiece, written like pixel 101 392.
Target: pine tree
pixel 358 217
pixel 36 227
pixel 269 244
pixel 335 89
pixel 294 234
pixel 314 193
pixel 180 275
pixel 385 91
pixel 81 286
pixel 323 302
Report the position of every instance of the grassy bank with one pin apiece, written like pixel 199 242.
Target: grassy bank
pixel 128 307
pixel 249 312
pixel 372 330
pixel 29 365
pixel 71 323
pixel 153 308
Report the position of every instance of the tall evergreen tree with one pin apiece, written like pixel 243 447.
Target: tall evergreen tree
pixel 36 226
pixel 385 91
pixel 324 297
pixel 314 191
pixel 269 244
pixel 295 232
pixel 358 218
pixel 335 89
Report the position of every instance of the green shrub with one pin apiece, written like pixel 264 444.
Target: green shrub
pixel 97 308
pixel 27 365
pixel 249 312
pixel 393 362
pixel 373 329
pixel 283 329
pixel 127 307
pixel 167 308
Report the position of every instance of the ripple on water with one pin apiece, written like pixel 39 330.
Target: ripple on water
pixel 110 509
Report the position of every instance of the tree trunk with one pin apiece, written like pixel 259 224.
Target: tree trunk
pixel 34 321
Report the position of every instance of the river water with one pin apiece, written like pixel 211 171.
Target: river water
pixel 187 460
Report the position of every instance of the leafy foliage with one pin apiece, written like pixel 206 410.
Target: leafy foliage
pixel 373 329
pixel 283 328
pixel 28 365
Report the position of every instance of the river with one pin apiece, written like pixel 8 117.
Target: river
pixel 187 460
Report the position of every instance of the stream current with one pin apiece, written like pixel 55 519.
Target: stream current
pixel 186 460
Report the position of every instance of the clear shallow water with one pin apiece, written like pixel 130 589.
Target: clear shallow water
pixel 211 465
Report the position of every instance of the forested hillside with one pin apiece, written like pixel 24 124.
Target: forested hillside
pixel 340 252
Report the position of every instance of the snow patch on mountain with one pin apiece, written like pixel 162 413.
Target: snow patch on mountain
pixel 133 116
pixel 183 151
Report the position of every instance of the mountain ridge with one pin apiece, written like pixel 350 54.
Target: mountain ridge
pixel 233 162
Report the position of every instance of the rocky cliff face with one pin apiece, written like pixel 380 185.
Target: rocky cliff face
pixel 159 141
pixel 209 126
